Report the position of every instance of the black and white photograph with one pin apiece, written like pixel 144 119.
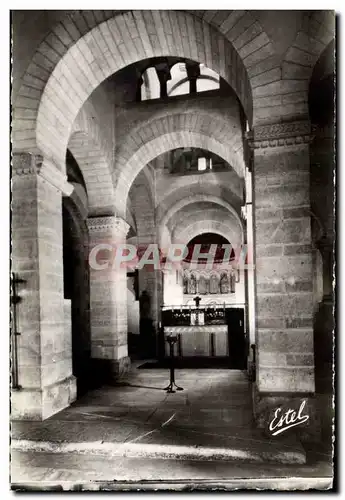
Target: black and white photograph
pixel 172 250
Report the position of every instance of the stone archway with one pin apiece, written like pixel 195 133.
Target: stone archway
pixel 92 162
pixel 195 198
pixel 157 146
pixel 205 226
pixel 85 143
pixel 83 61
pixel 322 95
pixel 58 74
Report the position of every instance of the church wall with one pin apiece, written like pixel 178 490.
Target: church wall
pixel 221 105
pixel 44 352
pixel 284 275
pixel 284 266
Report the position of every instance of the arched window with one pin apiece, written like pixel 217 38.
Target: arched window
pixel 204 164
pixel 185 78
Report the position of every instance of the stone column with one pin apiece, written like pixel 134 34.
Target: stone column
pixel 108 299
pixel 324 322
pixel 44 344
pixel 193 72
pixel 284 281
pixel 248 215
pixel 173 287
pixel 163 73
pixel 326 248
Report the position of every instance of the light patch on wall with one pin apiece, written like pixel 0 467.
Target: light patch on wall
pixel 202 164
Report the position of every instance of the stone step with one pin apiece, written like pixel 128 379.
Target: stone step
pixel 77 472
pixel 261 452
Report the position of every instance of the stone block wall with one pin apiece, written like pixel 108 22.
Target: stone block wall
pixel 44 346
pixel 284 269
pixel 108 301
pixel 284 274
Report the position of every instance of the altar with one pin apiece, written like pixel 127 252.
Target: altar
pixel 199 340
pixel 208 330
pixel 200 330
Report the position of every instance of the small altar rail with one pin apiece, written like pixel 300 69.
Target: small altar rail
pixel 208 314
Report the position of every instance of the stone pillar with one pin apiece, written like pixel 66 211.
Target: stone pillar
pixel 324 322
pixel 326 248
pixel 163 73
pixel 284 280
pixel 173 287
pixel 108 299
pixel 248 214
pixel 149 280
pixel 44 344
pixel 193 72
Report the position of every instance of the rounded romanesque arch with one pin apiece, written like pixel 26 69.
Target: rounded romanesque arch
pixel 195 198
pixel 80 56
pixel 184 233
pixel 232 191
pixel 179 193
pixel 158 146
pixel 85 47
pixel 198 209
pixel 316 33
pixel 281 90
pixel 95 168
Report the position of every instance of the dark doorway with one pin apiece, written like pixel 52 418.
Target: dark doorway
pixel 76 289
pixel 237 344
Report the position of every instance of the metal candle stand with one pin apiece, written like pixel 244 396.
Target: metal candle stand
pixel 171 341
pixel 15 300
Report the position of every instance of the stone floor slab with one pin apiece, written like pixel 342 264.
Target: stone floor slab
pixel 211 420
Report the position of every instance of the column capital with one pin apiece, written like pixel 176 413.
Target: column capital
pixel 24 164
pixel 109 223
pixel 280 134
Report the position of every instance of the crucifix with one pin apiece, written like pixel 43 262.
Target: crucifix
pixel 197 302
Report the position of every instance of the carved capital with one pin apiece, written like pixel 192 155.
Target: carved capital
pixel 116 226
pixel 34 164
pixel 280 134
